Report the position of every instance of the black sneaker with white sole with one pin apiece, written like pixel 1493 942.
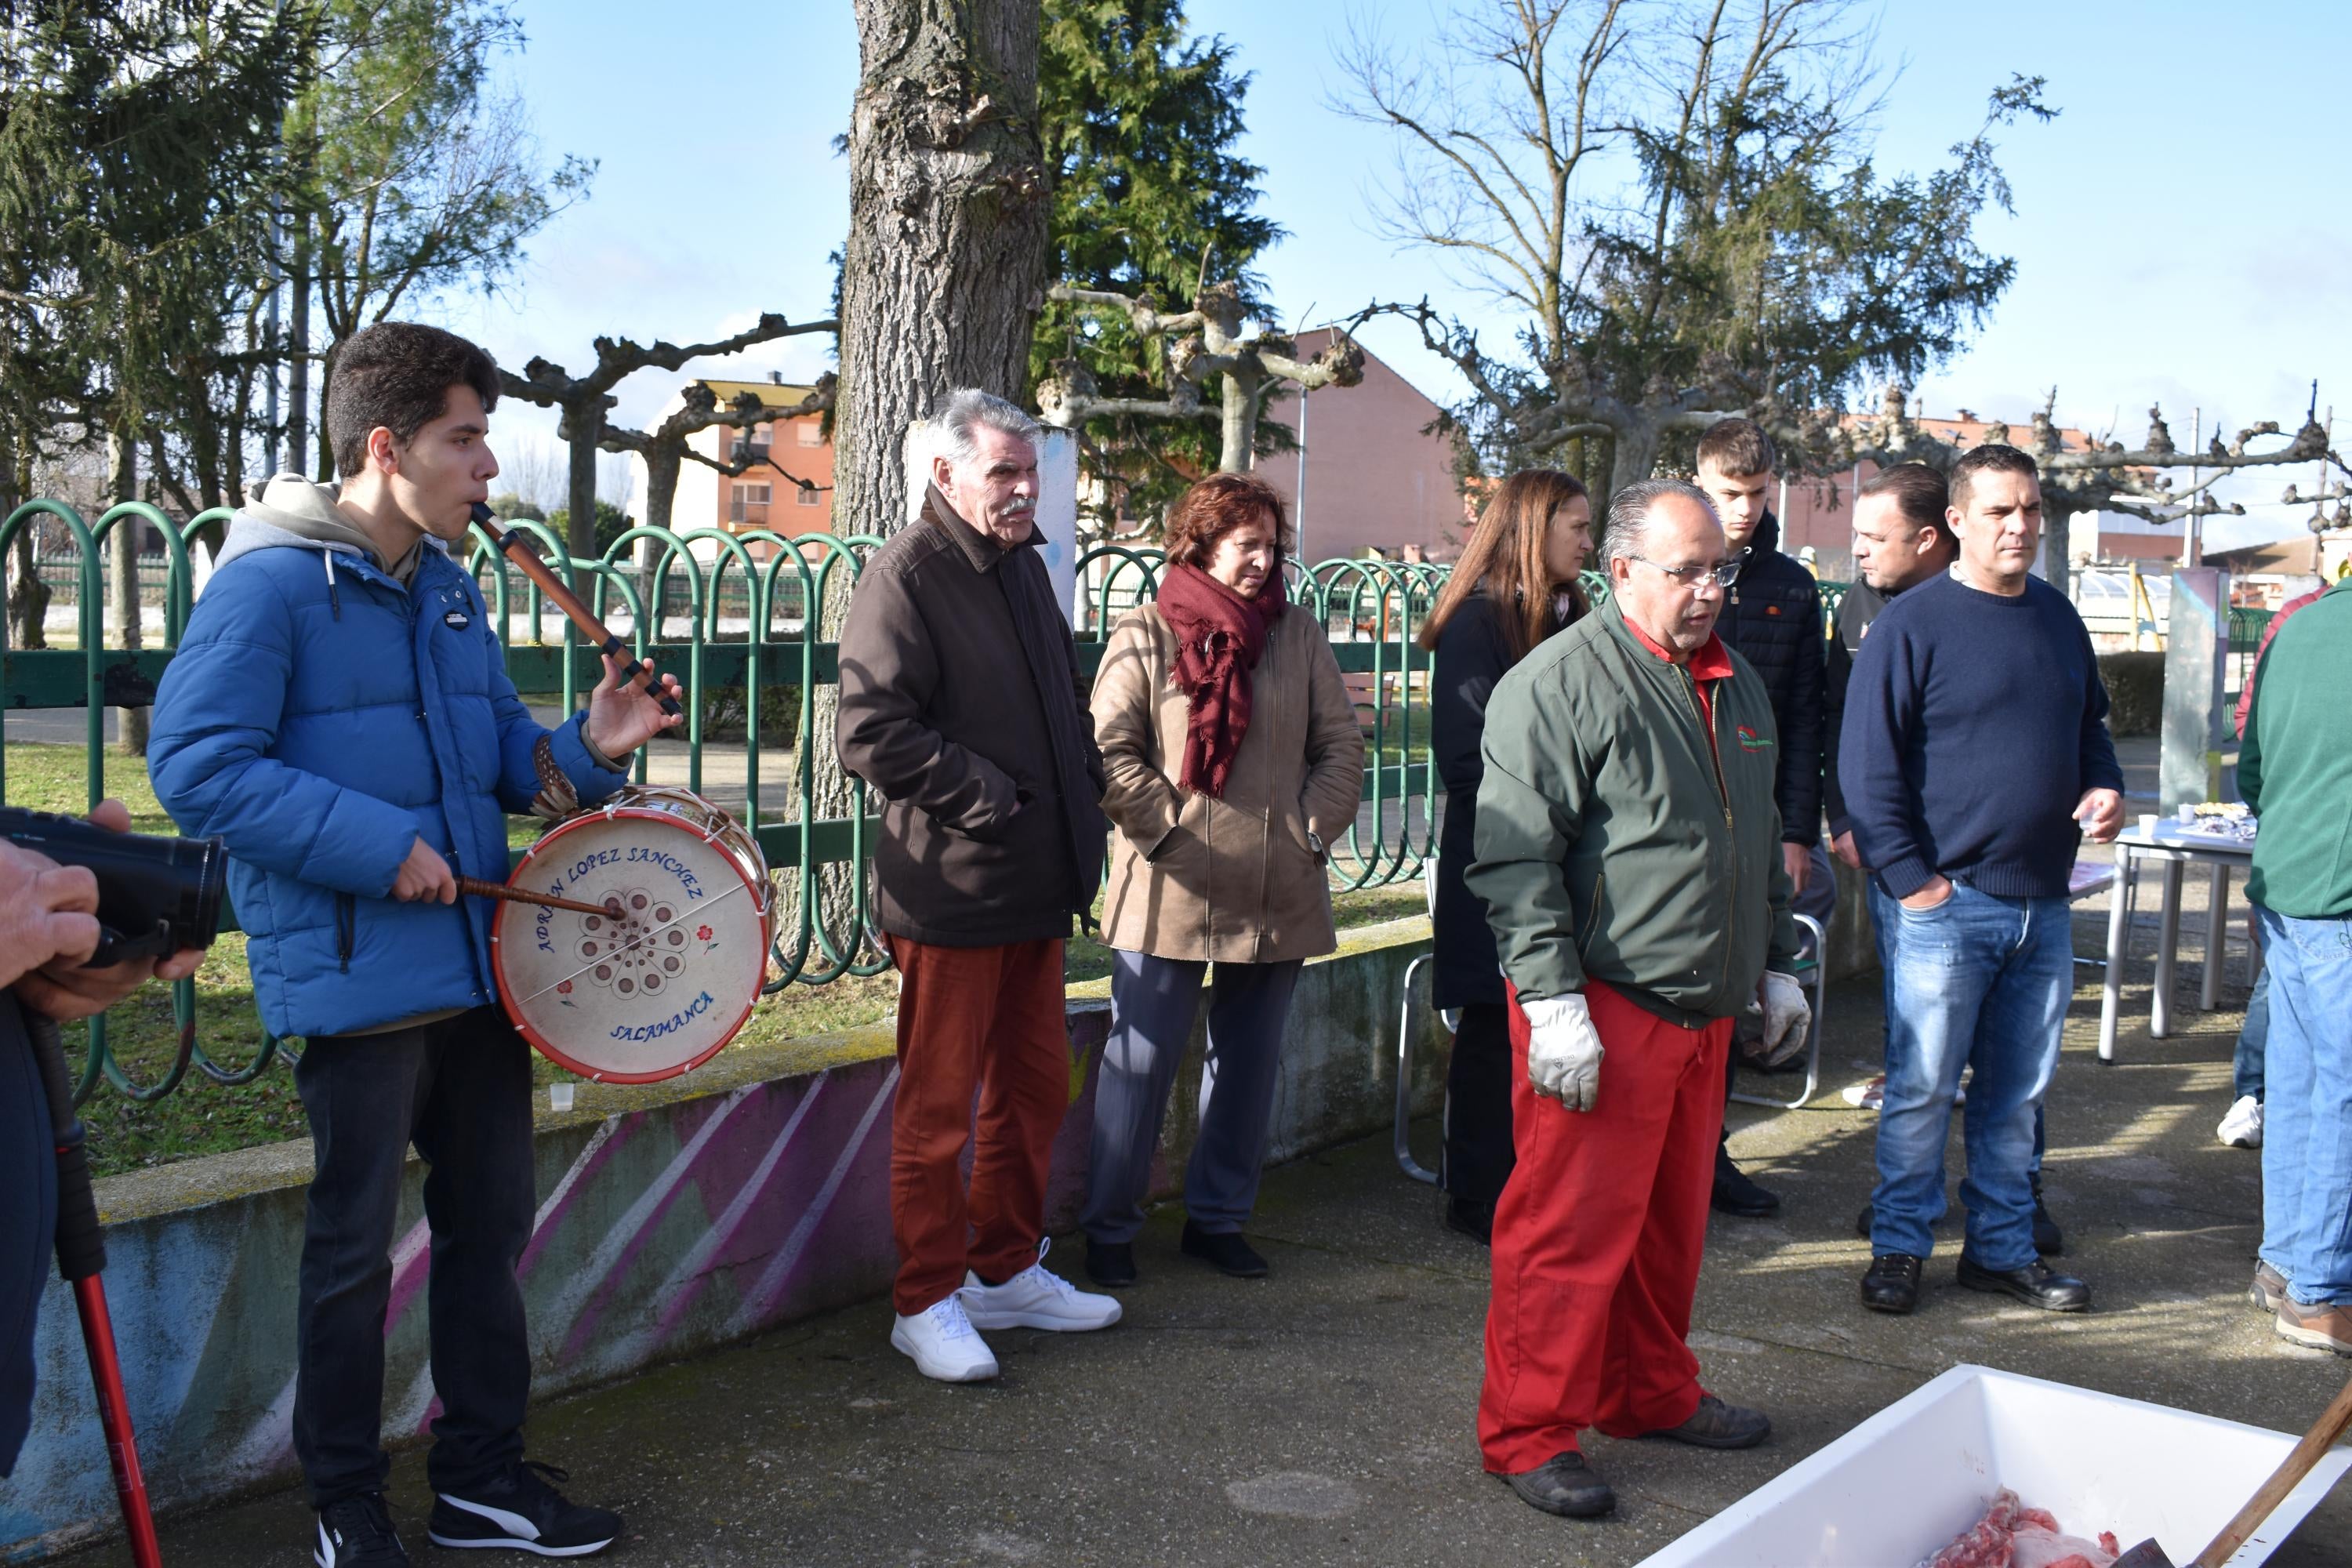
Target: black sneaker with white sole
pixel 521 1512
pixel 357 1534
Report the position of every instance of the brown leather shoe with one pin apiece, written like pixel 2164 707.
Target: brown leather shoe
pixel 2269 1289
pixel 2327 1327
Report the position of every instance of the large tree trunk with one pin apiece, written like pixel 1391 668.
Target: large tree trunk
pixel 1633 456
pixel 2058 545
pixel 583 427
pixel 123 578
pixel 944 271
pixel 28 596
pixel 662 463
pixel 1238 427
pixel 946 262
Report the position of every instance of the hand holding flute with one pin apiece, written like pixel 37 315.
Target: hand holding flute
pixel 631 704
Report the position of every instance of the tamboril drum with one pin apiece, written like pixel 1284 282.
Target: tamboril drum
pixel 662 980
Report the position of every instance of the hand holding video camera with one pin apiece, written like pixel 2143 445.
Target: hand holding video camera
pixel 49 912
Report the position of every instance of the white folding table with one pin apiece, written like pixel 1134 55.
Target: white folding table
pixel 2175 850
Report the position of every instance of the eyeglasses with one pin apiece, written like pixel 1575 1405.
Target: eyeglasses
pixel 1724 575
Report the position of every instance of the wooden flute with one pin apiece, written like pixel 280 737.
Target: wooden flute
pixel 515 545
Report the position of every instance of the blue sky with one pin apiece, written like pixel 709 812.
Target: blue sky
pixel 2178 233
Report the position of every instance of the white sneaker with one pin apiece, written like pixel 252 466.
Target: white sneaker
pixel 944 1343
pixel 2243 1128
pixel 1036 1299
pixel 1868 1096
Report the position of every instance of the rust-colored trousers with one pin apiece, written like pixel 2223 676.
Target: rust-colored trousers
pixel 1598 1238
pixel 988 1020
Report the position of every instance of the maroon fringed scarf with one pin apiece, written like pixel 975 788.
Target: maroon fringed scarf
pixel 1219 636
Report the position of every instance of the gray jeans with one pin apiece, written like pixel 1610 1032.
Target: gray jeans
pixel 1153 1004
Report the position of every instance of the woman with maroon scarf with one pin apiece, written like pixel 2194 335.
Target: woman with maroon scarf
pixel 1233 757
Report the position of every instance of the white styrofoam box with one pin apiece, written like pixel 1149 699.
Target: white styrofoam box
pixel 1902 1485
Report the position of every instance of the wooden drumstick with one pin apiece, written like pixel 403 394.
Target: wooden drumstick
pixel 515 545
pixel 482 889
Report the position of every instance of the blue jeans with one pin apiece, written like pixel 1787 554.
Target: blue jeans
pixel 2246 1068
pixel 1979 982
pixel 2307 1107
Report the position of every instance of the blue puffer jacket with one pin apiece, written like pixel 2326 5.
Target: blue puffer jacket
pixel 321 718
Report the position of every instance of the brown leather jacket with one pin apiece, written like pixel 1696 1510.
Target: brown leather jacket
pixel 960 706
pixel 1234 880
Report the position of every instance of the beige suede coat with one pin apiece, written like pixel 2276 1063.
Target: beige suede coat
pixel 1237 880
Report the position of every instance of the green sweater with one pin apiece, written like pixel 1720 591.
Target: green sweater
pixel 2294 765
pixel 1608 844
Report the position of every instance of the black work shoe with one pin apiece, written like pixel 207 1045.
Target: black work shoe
pixel 1225 1249
pixel 1715 1425
pixel 357 1534
pixel 1471 1218
pixel 1565 1485
pixel 1892 1283
pixel 2037 1285
pixel 1735 1195
pixel 2048 1239
pixel 521 1512
pixel 1110 1263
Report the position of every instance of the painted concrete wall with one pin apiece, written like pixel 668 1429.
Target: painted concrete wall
pixel 672 1217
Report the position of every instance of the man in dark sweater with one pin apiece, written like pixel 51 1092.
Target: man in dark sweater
pixel 1975 753
pixel 1900 540
pixel 1772 618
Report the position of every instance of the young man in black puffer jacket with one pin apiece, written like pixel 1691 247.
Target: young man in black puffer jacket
pixel 1772 618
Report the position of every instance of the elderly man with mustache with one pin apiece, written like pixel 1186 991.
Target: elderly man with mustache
pixel 959 704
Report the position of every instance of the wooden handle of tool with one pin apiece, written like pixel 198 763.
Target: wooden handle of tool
pixel 474 887
pixel 515 545
pixel 2322 1437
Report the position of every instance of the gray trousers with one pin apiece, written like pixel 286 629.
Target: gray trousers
pixel 1152 1005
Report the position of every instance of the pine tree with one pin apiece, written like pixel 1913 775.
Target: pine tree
pixel 1139 122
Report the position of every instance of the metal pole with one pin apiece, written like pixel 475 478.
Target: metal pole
pixel 1299 526
pixel 2189 523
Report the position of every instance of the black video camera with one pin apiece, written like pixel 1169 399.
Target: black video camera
pixel 155 896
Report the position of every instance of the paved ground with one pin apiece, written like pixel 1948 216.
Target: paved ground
pixel 1323 1416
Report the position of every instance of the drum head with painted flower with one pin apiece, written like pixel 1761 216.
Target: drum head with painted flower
pixel 658 982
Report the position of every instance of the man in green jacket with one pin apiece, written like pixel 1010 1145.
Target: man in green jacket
pixel 2294 767
pixel 1629 857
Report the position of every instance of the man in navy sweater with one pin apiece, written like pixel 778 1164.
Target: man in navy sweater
pixel 1975 753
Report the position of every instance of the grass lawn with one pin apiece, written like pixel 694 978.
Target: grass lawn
pixel 204 1116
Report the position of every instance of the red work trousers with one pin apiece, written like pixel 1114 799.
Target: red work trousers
pixel 1598 1238
pixel 988 1020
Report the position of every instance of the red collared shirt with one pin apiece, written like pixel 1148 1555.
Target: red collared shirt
pixel 1710 664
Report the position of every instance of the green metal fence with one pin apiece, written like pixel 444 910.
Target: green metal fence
pixel 733 618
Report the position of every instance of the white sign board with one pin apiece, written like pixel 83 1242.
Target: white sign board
pixel 1057 502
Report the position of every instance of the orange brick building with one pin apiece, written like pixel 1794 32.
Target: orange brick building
pixel 760 497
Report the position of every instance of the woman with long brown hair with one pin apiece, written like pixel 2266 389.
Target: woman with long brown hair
pixel 1515 586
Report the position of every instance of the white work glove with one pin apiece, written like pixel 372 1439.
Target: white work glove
pixel 1563 1051
pixel 1787 1018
